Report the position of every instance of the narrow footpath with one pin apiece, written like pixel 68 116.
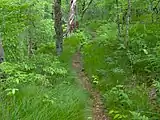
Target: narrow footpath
pixel 97 107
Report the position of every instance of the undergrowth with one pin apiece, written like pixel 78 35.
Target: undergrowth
pixel 42 87
pixel 125 76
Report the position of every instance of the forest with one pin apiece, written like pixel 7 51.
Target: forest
pixel 79 59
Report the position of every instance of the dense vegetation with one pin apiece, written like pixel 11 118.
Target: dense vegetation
pixel 119 42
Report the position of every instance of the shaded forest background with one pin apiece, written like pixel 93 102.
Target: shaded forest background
pixel 120 46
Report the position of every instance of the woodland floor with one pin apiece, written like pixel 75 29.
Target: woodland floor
pixel 97 106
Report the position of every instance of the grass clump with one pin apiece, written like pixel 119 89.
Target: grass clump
pixel 41 90
pixel 125 76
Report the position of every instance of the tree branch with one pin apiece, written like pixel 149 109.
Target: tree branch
pixel 85 9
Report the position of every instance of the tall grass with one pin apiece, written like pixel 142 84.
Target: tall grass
pixel 60 100
pixel 120 75
pixel 64 102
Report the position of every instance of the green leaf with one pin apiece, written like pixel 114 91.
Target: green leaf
pixel 111 111
pixel 116 116
pixel 145 51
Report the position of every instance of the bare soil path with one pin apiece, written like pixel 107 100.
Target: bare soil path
pixel 97 107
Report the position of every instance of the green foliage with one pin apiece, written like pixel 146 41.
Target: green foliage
pixel 35 84
pixel 138 116
pixel 47 103
pixel 22 21
pixel 122 75
pixel 70 46
pixel 117 115
pixel 43 87
pixel 47 48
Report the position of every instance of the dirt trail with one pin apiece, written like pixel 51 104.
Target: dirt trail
pixel 97 108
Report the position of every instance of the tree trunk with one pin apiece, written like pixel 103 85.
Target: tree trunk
pixel 127 23
pixel 30 46
pixel 72 15
pixel 151 10
pixel 1 50
pixel 58 26
pixel 85 8
pixel 118 20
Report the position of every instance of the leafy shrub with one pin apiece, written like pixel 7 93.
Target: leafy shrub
pixel 123 75
pixel 40 88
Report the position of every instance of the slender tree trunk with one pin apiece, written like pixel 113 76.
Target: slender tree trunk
pixel 1 50
pixel 85 8
pixel 127 23
pixel 151 9
pixel 72 15
pixel 122 23
pixel 118 20
pixel 58 26
pixel 30 46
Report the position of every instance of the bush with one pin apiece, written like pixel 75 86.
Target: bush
pixel 124 75
pixel 43 89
